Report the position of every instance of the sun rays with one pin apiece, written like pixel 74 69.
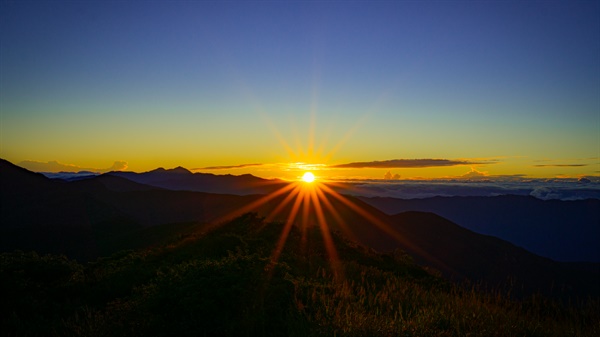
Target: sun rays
pixel 311 205
pixel 309 201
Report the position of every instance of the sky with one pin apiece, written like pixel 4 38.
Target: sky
pixel 349 90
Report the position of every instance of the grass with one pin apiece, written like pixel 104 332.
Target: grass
pixel 223 283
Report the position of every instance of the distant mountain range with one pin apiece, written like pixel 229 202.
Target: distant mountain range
pixel 99 216
pixel 181 179
pixel 84 218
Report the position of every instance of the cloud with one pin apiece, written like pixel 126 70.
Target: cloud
pixel 55 166
pixel 474 174
pixel 118 165
pixel 390 176
pixel 546 193
pixel 225 167
pixel 560 165
pixel 410 163
pixel 410 189
pixel 584 180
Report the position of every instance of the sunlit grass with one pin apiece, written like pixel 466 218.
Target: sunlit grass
pixel 214 284
pixel 378 303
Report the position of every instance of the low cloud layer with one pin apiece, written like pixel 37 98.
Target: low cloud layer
pixel 561 165
pixel 54 166
pixel 561 189
pixel 225 167
pixel 409 163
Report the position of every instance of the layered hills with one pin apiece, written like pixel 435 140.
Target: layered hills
pixel 561 230
pixel 100 216
pixel 181 179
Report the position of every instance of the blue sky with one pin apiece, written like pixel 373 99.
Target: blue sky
pixel 203 83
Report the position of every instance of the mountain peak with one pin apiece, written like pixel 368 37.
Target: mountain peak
pixel 13 175
pixel 176 170
pixel 180 169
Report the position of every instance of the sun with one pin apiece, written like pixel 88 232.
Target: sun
pixel 308 177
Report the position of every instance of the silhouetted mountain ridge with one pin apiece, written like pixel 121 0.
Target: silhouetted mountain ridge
pixel 162 170
pixel 78 218
pixel 99 216
pixel 17 178
pixel 463 253
pixel 181 179
pixel 562 230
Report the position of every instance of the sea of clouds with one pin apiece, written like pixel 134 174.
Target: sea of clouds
pixel 546 190
pixel 561 189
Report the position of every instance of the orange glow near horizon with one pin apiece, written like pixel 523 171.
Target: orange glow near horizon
pixel 309 200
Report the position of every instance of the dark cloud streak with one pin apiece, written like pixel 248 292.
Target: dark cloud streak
pixel 410 163
pixel 225 167
pixel 561 165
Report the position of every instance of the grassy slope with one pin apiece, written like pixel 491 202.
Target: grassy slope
pixel 222 283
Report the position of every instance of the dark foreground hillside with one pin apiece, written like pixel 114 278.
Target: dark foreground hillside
pixel 224 283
